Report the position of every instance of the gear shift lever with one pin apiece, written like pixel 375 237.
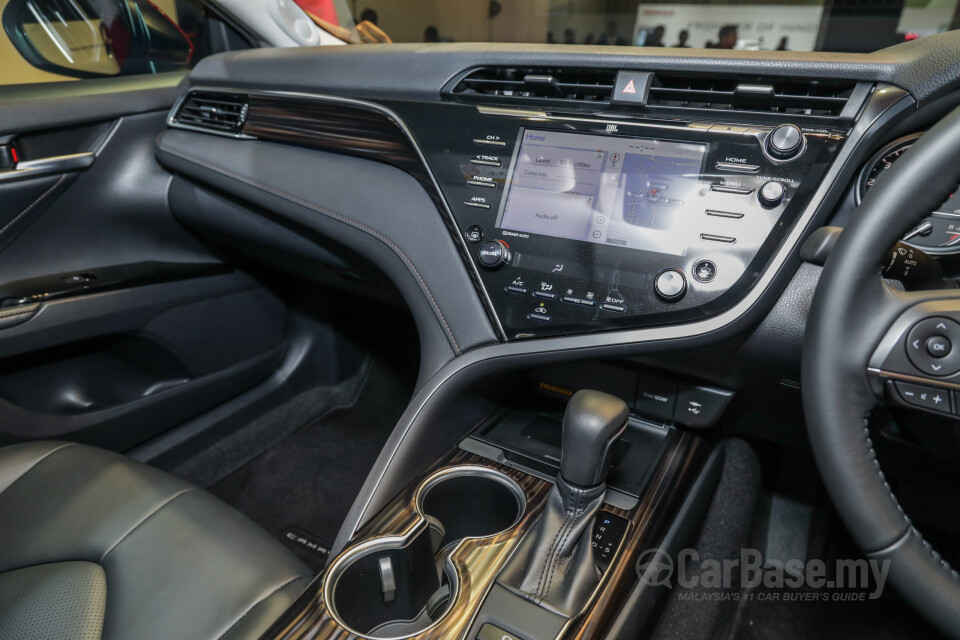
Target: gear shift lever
pixel 554 565
pixel 592 423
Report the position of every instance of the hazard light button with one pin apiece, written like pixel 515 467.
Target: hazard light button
pixel 631 87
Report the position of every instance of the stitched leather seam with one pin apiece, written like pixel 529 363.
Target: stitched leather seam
pixel 142 520
pixel 546 560
pixel 259 602
pixel 339 216
pixel 38 461
pixel 556 555
pixel 910 528
pixel 33 204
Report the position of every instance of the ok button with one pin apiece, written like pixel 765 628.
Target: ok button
pixel 938 346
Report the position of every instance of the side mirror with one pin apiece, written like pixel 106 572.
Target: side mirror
pixel 96 38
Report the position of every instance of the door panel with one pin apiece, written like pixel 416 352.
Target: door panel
pixel 116 323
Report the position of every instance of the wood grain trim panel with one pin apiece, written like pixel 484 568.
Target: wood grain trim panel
pixel 478 561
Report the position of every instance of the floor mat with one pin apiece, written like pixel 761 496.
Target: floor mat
pixel 308 482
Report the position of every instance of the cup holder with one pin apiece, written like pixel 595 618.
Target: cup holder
pixel 398 586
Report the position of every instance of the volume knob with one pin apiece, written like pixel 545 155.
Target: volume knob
pixel 785 143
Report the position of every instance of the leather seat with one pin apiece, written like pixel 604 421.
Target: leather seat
pixel 95 545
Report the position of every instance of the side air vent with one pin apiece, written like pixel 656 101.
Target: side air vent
pixel 216 112
pixel 824 98
pixel 537 84
pixel 669 91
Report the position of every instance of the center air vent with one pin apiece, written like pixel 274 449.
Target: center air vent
pixel 213 111
pixel 797 96
pixel 670 91
pixel 538 84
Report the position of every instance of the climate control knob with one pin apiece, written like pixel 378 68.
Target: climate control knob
pixel 771 194
pixel 493 254
pixel 785 143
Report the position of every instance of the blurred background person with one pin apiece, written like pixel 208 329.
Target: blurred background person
pixel 727 37
pixel 612 36
pixel 783 44
pixel 656 37
pixel 682 40
pixel 431 34
pixel 569 36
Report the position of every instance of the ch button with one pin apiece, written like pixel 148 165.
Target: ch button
pixel 930 346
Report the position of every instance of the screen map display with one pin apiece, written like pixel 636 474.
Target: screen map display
pixel 627 192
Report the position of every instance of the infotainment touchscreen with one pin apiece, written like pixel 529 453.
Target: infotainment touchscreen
pixel 629 192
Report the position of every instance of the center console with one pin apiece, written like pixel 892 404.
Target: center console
pixel 583 223
pixel 479 547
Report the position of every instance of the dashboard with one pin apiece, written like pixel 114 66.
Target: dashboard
pixel 526 203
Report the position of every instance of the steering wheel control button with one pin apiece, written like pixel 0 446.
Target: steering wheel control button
pixel 930 346
pixel 705 271
pixel 785 143
pixel 493 254
pixel 474 234
pixel 938 346
pixel 917 395
pixel 771 194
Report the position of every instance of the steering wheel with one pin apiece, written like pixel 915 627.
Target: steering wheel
pixel 865 341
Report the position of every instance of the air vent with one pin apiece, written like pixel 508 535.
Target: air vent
pixel 214 111
pixel 669 91
pixel 822 98
pixel 537 84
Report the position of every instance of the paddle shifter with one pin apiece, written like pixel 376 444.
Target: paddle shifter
pixel 554 565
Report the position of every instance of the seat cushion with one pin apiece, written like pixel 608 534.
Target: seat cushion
pixel 128 551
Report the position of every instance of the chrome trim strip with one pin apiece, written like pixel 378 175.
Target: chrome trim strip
pixel 883 374
pixel 48 166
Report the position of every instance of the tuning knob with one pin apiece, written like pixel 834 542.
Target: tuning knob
pixel 785 143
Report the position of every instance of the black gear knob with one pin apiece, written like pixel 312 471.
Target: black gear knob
pixel 592 423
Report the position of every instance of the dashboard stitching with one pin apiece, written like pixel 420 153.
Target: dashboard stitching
pixel 912 530
pixel 339 216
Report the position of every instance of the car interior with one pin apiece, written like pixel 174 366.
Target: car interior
pixel 474 340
